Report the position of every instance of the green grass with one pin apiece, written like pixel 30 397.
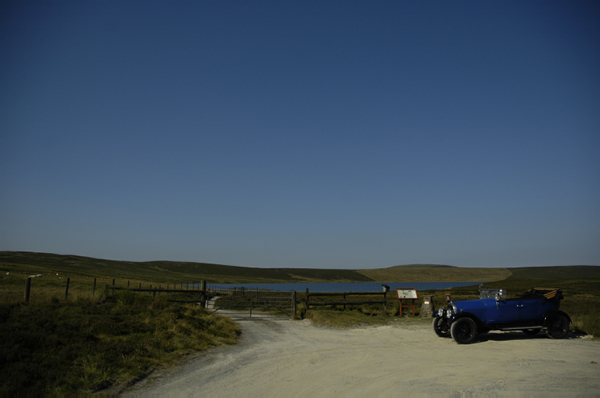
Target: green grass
pixel 436 273
pixel 90 341
pixel 63 347
pixel 165 271
pixel 580 285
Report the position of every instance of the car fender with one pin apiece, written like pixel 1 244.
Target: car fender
pixel 478 322
pixel 551 313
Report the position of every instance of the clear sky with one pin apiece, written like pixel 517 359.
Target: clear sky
pixel 327 134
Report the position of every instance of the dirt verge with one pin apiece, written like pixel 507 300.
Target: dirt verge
pixel 279 357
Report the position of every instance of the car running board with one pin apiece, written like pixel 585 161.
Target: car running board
pixel 522 328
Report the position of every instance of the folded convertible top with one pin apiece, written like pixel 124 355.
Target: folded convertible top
pixel 542 292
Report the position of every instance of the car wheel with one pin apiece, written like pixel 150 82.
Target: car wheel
pixel 464 330
pixel 558 326
pixel 440 327
pixel 531 332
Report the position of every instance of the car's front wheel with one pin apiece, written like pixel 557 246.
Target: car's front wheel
pixel 464 330
pixel 558 326
pixel 440 327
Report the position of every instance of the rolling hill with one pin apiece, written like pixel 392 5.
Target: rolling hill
pixel 26 263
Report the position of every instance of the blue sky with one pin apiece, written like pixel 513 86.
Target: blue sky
pixel 326 134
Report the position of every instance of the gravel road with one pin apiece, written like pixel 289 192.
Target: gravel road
pixel 278 357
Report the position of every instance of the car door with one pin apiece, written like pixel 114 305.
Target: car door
pixel 508 311
pixel 529 310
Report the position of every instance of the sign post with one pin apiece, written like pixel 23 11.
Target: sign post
pixel 407 294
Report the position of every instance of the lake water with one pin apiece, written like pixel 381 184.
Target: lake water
pixel 342 287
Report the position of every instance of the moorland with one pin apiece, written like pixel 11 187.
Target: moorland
pixel 90 339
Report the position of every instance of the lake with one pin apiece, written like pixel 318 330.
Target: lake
pixel 342 287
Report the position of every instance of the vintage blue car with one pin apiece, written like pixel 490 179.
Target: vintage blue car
pixel 532 311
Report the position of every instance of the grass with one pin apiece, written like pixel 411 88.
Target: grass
pixel 84 345
pixel 436 273
pixel 91 341
pixel 178 272
pixel 165 271
pixel 580 285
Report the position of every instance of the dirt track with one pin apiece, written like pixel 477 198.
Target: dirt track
pixel 278 357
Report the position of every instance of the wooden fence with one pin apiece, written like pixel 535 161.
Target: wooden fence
pixel 344 295
pixel 206 294
pixel 203 293
pixel 176 288
pixel 261 300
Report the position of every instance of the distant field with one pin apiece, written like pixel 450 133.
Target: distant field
pixel 436 273
pixel 58 344
pixel 23 264
pixel 26 263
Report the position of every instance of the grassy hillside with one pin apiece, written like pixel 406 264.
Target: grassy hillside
pixel 68 347
pixel 165 271
pixel 28 263
pixel 435 273
pixel 557 272
pixel 23 264
pixel 92 340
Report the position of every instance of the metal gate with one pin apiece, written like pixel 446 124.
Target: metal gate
pixel 254 300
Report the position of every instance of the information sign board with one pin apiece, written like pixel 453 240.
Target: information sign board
pixel 406 293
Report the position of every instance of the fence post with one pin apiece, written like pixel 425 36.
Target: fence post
pixel 94 291
pixel 27 290
pixel 344 301
pixel 154 292
pixel 204 298
pixel 307 299
pixel 293 304
pixel 127 285
pixel 67 289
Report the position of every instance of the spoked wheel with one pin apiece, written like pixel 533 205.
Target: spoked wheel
pixel 464 331
pixel 440 327
pixel 558 327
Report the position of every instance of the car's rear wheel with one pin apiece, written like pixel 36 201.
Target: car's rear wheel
pixel 464 330
pixel 440 327
pixel 558 326
pixel 531 332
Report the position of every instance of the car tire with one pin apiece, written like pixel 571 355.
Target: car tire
pixel 558 326
pixel 464 330
pixel 440 327
pixel 531 332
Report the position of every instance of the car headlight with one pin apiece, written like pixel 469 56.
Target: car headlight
pixel 448 312
pixel 441 312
